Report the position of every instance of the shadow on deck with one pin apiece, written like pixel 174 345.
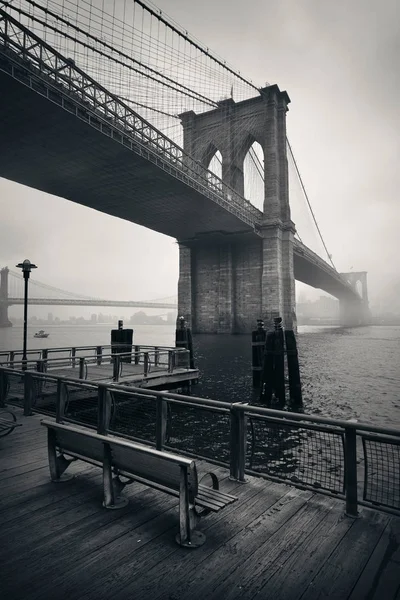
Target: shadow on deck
pixel 56 540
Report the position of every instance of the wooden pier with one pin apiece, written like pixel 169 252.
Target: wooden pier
pixel 57 542
pixel 157 377
pixel 158 367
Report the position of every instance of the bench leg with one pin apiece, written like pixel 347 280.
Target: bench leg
pixel 187 537
pixel 57 463
pixel 112 486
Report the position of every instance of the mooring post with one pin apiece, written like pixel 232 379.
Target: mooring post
pixel 293 369
pixel 183 339
pixel 267 376
pixel 279 370
pixel 258 337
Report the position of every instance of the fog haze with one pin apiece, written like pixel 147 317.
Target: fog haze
pixel 339 64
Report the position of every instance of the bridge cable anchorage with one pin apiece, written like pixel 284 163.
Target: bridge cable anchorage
pixel 309 203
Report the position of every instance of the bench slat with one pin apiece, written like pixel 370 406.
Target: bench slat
pixel 215 493
pixel 205 503
pixel 217 502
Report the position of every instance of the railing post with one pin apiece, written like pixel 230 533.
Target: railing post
pixel 40 366
pixel 104 409
pixel 171 360
pixel 146 363
pixel 156 356
pixel 161 422
pixel 238 442
pixel 62 398
pixel 81 367
pixel 73 355
pixel 11 361
pixel 350 471
pixel 233 468
pixel 28 394
pixel 116 367
pixel 137 354
pixel 3 388
pixel 45 354
pixel 99 352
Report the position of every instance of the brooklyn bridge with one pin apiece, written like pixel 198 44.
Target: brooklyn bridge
pixel 144 123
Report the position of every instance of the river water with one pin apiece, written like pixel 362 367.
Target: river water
pixel 346 373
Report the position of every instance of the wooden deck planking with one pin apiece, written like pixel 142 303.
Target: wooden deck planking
pixel 56 541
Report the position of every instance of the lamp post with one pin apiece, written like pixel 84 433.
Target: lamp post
pixel 26 267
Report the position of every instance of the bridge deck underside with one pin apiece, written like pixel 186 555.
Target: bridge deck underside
pixel 46 148
pixel 313 275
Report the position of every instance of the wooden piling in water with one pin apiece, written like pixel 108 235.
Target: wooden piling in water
pixel 293 369
pixel 183 339
pixel 272 379
pixel 258 337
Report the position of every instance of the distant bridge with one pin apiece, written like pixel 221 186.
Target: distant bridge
pixel 82 302
pixel 41 294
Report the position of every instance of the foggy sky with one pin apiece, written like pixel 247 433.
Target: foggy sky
pixel 338 62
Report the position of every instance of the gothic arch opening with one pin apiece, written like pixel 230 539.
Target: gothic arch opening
pixel 359 287
pixel 253 173
pixel 215 164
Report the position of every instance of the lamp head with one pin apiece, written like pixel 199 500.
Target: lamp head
pixel 26 266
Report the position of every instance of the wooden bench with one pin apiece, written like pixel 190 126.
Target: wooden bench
pixel 170 473
pixel 8 422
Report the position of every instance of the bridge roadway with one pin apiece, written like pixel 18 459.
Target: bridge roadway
pixel 55 140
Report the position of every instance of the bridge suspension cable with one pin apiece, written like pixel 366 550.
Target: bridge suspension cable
pixel 146 59
pixel 308 202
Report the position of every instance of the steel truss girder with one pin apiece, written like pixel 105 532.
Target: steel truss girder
pixel 30 60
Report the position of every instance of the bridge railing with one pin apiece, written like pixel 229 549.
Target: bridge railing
pixel 35 63
pixel 355 462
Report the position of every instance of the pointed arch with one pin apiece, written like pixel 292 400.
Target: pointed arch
pixel 253 174
pixel 208 158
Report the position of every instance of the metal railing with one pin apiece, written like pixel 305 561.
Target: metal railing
pixel 33 62
pixel 142 360
pixel 356 462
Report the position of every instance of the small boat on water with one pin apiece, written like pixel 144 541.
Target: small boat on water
pixel 41 334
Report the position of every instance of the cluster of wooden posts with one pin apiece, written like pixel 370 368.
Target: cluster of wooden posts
pixel 270 371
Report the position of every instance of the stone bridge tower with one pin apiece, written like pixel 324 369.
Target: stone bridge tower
pixel 227 282
pixel 356 313
pixel 4 321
